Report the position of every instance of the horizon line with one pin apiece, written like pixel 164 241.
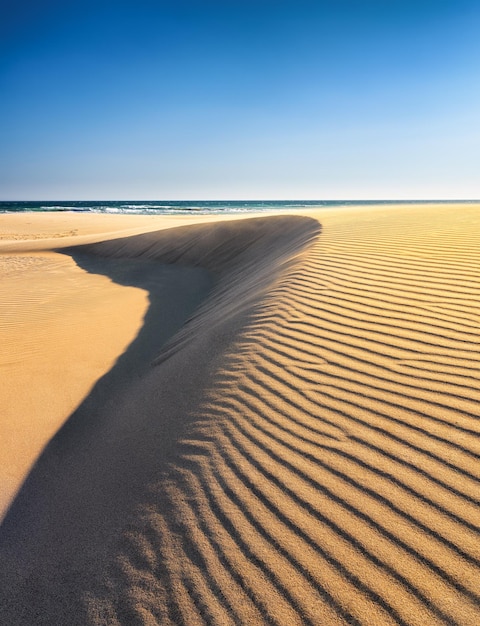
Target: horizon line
pixel 245 200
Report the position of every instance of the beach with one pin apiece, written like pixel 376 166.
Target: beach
pixel 268 419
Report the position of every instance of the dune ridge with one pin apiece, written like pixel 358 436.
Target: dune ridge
pixel 323 460
pixel 97 467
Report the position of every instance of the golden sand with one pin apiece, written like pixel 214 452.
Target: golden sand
pixel 257 421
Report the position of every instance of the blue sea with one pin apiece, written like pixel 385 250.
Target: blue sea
pixel 179 207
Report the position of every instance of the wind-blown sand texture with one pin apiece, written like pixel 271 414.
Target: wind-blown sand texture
pixel 289 436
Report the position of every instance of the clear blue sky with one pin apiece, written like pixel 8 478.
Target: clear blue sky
pixel 148 99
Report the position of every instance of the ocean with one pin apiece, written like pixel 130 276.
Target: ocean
pixel 179 207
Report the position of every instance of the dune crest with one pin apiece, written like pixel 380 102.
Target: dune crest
pixel 98 468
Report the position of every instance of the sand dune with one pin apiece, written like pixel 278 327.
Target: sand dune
pixel 303 450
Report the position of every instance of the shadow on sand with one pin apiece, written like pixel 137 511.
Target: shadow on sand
pixel 97 465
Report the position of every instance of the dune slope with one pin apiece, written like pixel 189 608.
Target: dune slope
pixel 93 477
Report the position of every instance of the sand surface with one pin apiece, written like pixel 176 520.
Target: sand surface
pixel 269 420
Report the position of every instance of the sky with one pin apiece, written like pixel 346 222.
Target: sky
pixel 250 99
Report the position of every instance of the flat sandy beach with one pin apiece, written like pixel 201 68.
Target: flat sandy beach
pixel 271 420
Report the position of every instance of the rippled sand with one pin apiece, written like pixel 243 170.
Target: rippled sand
pixel 257 421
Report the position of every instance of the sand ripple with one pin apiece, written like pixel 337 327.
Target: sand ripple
pixel 328 472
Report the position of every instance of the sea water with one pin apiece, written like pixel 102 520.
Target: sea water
pixel 179 207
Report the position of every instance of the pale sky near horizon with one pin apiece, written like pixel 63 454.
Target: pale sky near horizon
pixel 209 99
